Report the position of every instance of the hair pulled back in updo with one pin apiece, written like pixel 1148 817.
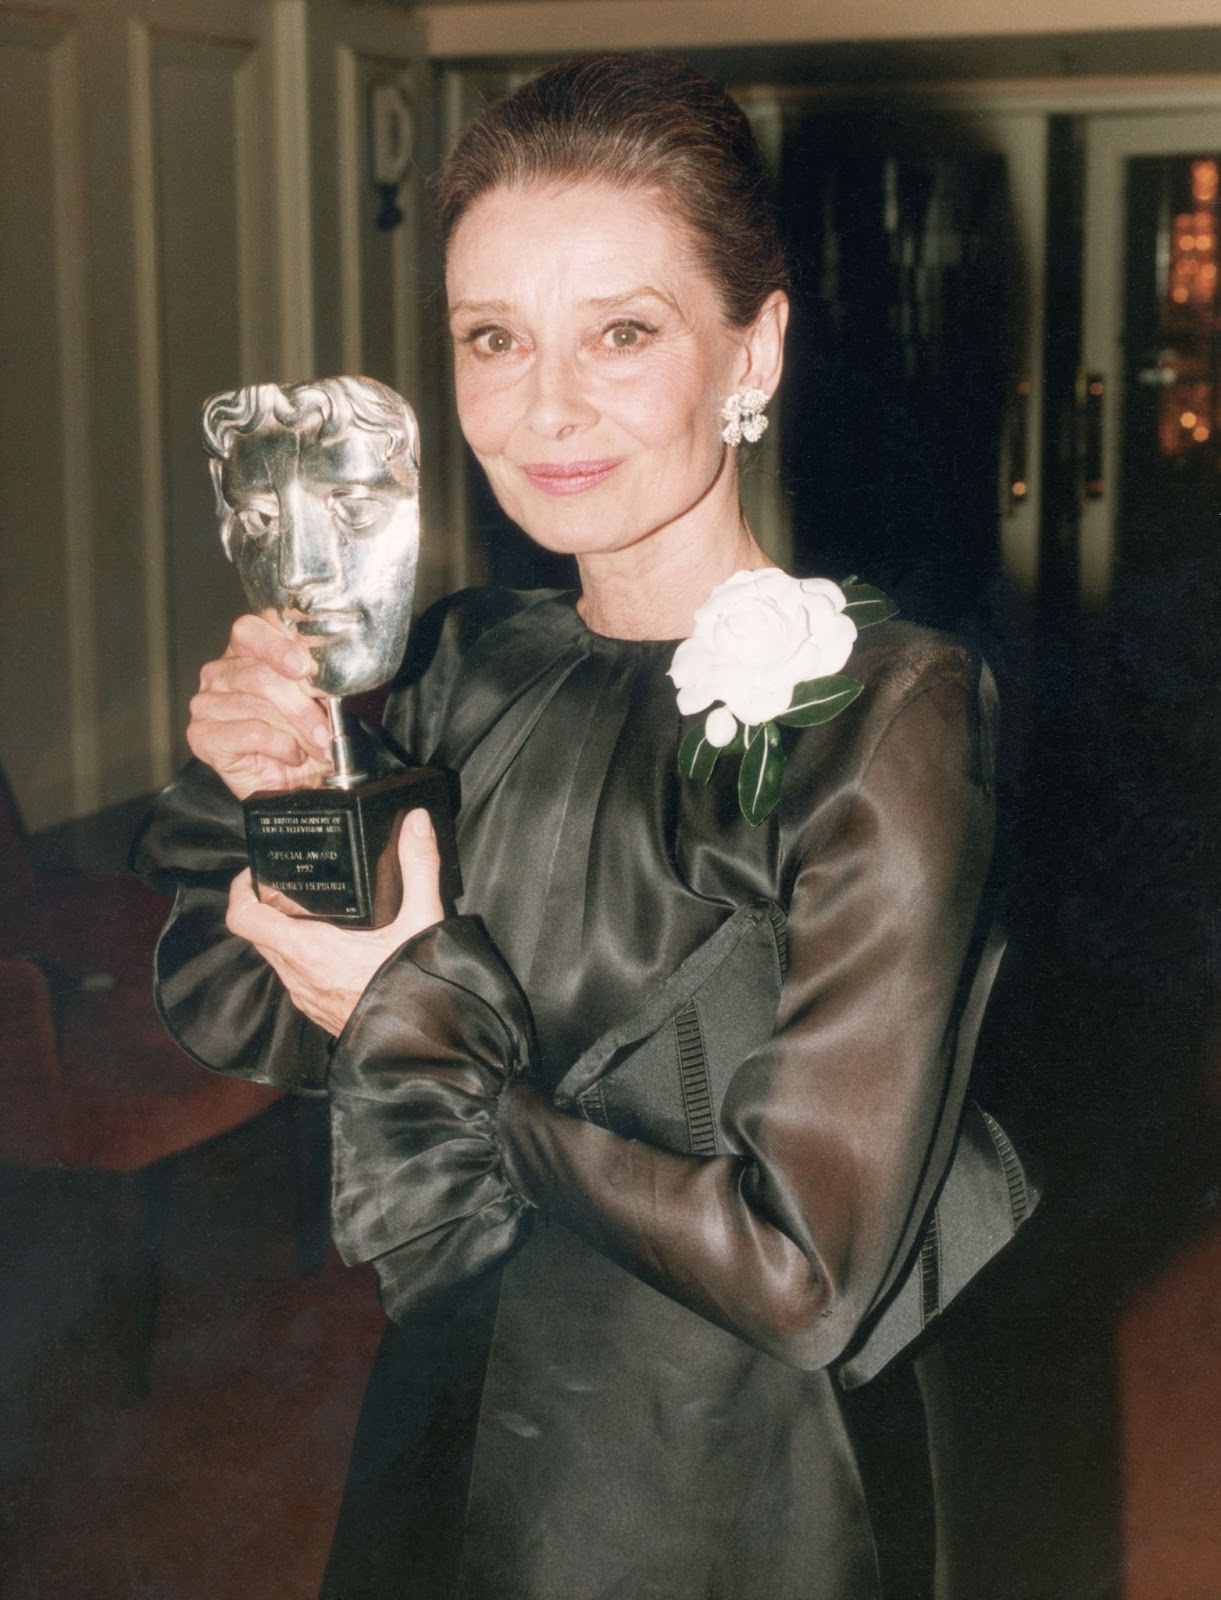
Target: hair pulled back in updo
pixel 635 122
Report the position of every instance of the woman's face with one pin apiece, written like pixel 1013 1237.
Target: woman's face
pixel 592 358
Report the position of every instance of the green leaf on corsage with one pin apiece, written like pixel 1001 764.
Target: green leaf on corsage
pixel 865 604
pixel 696 757
pixel 760 773
pixel 820 700
pixel 748 640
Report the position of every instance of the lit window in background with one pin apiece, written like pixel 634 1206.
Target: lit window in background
pixel 1189 412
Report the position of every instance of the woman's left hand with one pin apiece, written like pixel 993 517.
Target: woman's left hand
pixel 327 969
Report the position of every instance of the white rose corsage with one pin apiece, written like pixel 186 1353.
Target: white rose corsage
pixel 769 649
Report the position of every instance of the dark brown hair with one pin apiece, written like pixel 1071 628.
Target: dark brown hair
pixel 637 122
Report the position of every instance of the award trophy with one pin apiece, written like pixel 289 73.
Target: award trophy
pixel 317 491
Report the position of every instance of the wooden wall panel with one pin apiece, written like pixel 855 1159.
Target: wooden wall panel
pixel 390 277
pixel 171 177
pixel 42 451
pixel 209 310
pixel 388 308
pixel 487 28
pixel 391 302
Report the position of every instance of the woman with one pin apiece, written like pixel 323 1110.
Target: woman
pixel 609 1370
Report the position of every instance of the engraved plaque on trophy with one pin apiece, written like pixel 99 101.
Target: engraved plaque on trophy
pixel 317 490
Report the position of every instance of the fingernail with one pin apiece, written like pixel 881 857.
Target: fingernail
pixel 300 661
pixel 421 826
pixel 322 736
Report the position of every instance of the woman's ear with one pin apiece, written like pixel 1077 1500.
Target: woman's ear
pixel 762 359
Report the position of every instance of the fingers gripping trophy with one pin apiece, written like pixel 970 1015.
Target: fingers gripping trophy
pixel 317 491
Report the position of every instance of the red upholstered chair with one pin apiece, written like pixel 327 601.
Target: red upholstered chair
pixel 89 1079
pixel 81 923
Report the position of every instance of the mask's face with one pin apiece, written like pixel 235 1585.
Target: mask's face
pixel 326 539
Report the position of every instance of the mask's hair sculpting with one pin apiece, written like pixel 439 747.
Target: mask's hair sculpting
pixel 325 411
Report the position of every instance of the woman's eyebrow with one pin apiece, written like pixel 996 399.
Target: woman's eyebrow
pixel 611 302
pixel 498 308
pixel 607 302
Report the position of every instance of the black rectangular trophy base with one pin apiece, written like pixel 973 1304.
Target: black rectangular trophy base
pixel 334 852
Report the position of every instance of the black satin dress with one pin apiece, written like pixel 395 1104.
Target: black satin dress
pixel 611 1366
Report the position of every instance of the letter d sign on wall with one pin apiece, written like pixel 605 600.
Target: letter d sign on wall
pixel 390 143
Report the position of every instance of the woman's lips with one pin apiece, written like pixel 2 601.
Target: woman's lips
pixel 573 477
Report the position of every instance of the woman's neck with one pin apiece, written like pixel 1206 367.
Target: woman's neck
pixel 652 590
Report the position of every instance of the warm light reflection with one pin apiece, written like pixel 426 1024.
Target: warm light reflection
pixel 1188 410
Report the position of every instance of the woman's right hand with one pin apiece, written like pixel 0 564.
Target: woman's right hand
pixel 255 720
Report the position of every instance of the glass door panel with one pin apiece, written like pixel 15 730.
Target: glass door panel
pixel 1169 481
pixel 1152 470
pixel 913 392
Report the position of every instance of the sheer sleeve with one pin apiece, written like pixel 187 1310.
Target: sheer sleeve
pixel 835 1125
pixel 833 1122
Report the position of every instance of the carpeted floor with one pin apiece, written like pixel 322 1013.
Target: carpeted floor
pixel 1170 1403
pixel 224 1483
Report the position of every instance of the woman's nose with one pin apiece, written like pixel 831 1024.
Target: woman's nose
pixel 308 546
pixel 559 401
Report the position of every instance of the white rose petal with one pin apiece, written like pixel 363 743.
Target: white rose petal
pixel 756 637
pixel 720 728
pixel 807 663
pixel 757 701
pixel 692 698
pixel 828 590
pixel 838 635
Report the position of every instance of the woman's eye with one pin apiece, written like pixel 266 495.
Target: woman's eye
pixel 491 341
pixel 624 335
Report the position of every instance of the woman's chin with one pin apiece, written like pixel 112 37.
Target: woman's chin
pixel 569 530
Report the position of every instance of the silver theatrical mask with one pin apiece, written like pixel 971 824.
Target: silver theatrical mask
pixel 317 490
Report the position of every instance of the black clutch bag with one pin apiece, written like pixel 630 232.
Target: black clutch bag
pixel 661 1076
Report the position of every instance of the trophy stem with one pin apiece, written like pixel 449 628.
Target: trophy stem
pixel 348 770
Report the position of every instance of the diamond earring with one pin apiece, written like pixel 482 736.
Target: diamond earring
pixel 743 416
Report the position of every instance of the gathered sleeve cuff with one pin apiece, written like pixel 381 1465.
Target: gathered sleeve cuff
pixel 215 993
pixel 419 1187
